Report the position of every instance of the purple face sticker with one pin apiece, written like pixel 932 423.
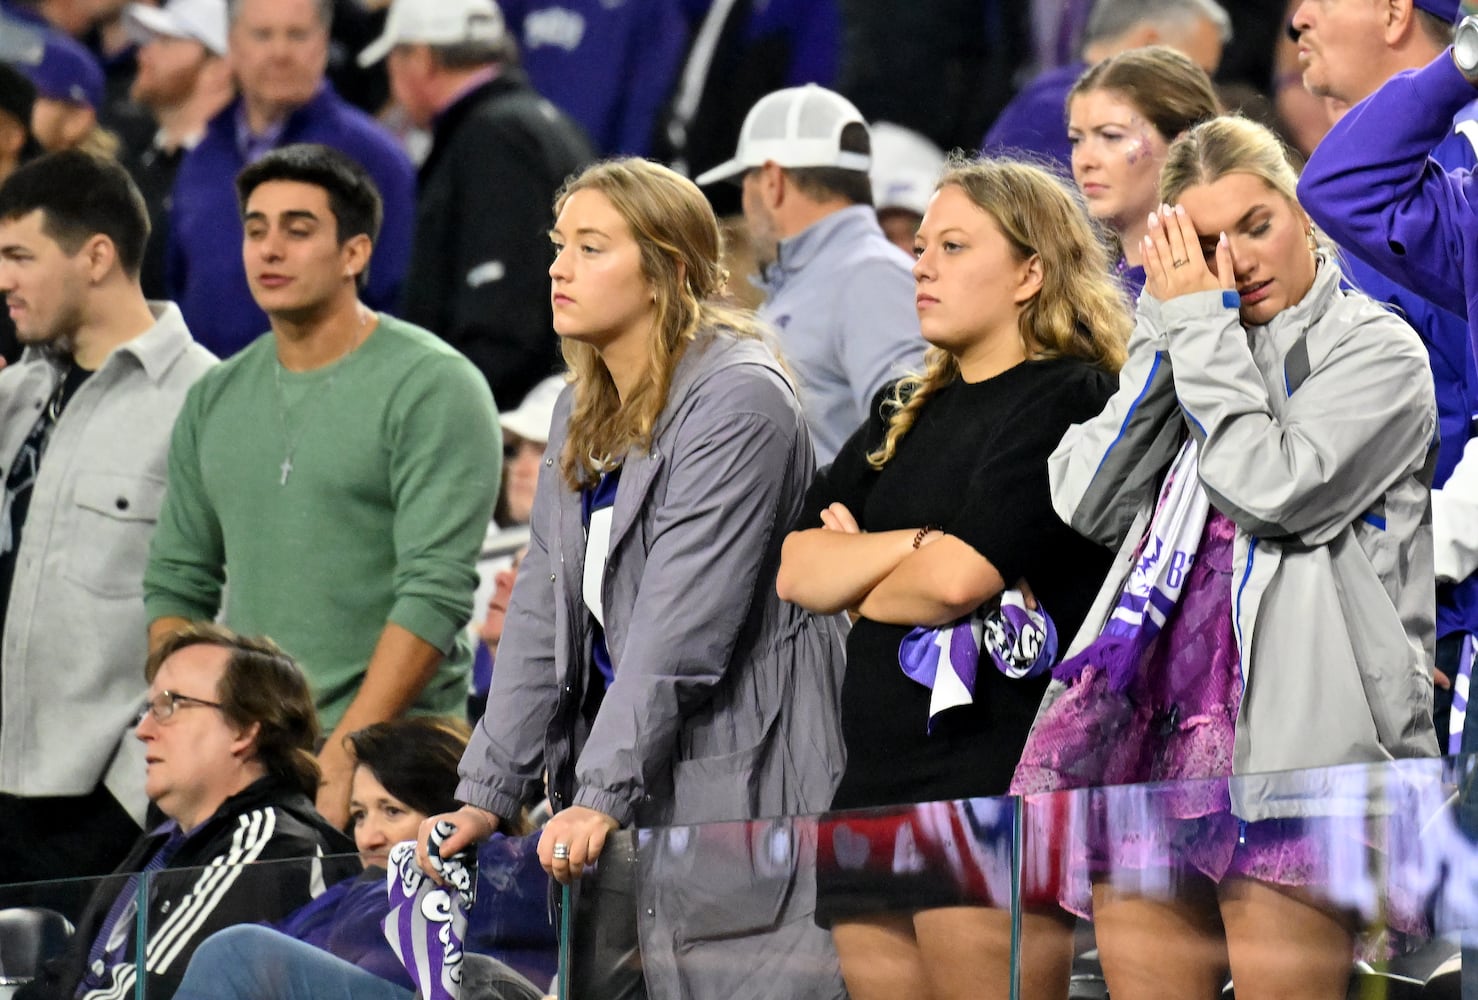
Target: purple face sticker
pixel 1139 145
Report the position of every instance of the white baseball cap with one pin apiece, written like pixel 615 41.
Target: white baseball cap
pixel 436 22
pixel 202 20
pixel 795 127
pixel 906 168
pixel 533 416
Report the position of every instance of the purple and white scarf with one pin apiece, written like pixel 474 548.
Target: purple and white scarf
pixel 427 923
pixel 1462 686
pixel 1018 641
pixel 1161 568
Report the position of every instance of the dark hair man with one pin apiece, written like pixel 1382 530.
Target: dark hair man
pixel 85 420
pixel 338 466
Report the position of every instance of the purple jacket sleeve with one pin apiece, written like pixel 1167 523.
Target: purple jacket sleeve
pixel 1373 186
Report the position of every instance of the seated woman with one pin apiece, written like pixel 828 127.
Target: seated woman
pixel 1264 466
pixel 1122 115
pixel 930 511
pixel 334 947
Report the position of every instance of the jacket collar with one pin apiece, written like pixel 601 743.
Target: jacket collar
pixel 450 118
pixel 710 353
pixel 796 252
pixel 154 350
pixel 322 103
pixel 279 794
pixel 1291 323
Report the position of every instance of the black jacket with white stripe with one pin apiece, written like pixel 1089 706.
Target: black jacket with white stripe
pixel 216 879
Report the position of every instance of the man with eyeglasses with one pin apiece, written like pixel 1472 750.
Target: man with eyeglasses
pixel 85 420
pixel 228 730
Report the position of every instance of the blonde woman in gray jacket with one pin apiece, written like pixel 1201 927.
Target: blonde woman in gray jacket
pixel 647 670
pixel 1264 467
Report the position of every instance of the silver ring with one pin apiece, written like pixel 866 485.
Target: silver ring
pixel 561 852
pixel 1180 263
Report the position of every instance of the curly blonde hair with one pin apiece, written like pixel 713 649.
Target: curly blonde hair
pixel 681 251
pixel 1079 312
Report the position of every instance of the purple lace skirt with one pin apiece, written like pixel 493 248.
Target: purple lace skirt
pixel 1174 724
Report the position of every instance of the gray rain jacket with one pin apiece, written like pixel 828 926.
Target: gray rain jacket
pixel 1316 435
pixel 725 699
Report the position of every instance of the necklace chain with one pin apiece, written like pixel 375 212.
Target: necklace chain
pixel 291 440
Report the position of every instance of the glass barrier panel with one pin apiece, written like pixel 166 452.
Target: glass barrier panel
pixel 751 909
pixel 331 927
pixel 37 926
pixel 1358 880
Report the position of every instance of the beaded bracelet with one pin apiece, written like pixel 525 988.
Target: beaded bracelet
pixel 919 537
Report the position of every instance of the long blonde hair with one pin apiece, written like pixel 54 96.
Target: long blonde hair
pixel 1079 312
pixel 678 236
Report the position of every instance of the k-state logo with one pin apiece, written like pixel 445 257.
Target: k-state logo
pixel 559 27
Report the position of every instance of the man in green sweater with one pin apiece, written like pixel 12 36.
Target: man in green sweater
pixel 334 479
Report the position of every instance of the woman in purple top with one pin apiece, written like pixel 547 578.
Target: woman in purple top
pixel 405 770
pixel 1271 611
pixel 1122 115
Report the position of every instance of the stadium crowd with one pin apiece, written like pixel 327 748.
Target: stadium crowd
pixel 509 427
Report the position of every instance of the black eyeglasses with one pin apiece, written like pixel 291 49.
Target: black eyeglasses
pixel 163 705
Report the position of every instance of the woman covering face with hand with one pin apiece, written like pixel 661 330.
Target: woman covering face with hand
pixel 1262 465
pixel 932 509
pixel 1122 115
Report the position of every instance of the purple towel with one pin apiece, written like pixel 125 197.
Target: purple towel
pixel 1018 641
pixel 427 923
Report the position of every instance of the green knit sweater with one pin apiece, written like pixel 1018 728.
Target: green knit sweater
pixel 395 460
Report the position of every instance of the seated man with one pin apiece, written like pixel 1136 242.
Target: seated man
pixel 228 736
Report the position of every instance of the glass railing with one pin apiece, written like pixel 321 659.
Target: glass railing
pixel 1357 881
pixel 1353 880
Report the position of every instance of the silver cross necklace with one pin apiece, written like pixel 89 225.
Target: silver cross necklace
pixel 290 440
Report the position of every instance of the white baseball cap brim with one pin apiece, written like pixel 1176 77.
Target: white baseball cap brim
pixel 795 127
pixel 202 20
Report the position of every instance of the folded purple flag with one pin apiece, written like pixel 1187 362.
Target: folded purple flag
pixel 427 923
pixel 1018 641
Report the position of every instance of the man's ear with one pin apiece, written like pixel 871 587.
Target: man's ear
pixel 245 742
pixel 356 253
pixel 774 185
pixel 1397 20
pixel 99 255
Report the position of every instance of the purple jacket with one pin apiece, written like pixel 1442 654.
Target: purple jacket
pixel 204 272
pixel 610 66
pixel 510 920
pixel 1036 119
pixel 1389 183
pixel 1373 186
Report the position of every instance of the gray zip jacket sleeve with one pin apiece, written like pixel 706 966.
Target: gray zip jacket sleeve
pixel 1315 437
pixel 1340 441
pixel 1108 468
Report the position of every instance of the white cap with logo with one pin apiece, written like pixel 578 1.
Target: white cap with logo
pixel 795 127
pixel 436 22
pixel 906 168
pixel 202 20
